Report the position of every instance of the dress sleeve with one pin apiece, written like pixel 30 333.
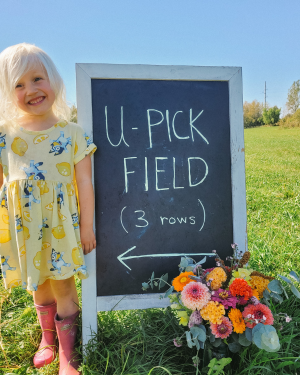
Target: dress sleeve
pixel 83 145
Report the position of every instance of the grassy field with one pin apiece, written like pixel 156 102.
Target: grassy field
pixel 139 342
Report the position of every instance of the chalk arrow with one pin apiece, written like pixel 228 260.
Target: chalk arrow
pixel 121 257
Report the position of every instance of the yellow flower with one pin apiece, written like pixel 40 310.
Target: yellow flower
pixel 218 276
pixel 241 273
pixel 259 284
pixel 184 318
pixel 237 320
pixel 213 312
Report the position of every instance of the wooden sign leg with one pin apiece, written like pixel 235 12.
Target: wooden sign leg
pixel 89 300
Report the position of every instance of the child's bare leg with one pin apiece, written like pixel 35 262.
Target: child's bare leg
pixel 66 297
pixel 44 294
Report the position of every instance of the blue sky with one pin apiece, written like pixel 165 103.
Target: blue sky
pixel 261 36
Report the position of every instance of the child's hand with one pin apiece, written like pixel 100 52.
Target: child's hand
pixel 88 240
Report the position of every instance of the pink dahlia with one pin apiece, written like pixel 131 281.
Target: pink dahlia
pixel 195 295
pixel 224 297
pixel 222 330
pixel 254 314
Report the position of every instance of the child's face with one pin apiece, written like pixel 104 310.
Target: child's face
pixel 34 94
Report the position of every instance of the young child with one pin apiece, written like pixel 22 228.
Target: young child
pixel 44 160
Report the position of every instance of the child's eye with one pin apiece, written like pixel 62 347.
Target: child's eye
pixel 18 85
pixel 37 79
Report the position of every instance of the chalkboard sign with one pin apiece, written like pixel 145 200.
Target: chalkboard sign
pixel 168 174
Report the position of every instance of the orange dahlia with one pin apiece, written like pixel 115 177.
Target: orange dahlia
pixel 237 320
pixel 240 287
pixel 182 280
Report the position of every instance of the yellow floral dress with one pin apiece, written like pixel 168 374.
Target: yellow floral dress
pixel 39 224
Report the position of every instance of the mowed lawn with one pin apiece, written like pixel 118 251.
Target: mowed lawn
pixel 140 342
pixel 273 198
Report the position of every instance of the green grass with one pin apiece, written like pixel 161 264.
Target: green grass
pixel 139 342
pixel 273 198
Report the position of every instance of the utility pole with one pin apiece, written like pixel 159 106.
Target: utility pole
pixel 265 94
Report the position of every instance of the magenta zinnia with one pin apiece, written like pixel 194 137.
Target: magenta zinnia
pixel 224 297
pixel 195 295
pixel 222 330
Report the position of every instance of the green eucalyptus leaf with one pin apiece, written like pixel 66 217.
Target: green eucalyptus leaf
pixel 212 338
pixel 169 291
pixel 203 328
pixel 189 339
pixel 285 279
pixel 197 344
pixel 217 342
pixel 294 276
pixel 189 268
pixel 201 261
pixel 295 291
pixel 152 276
pixel 257 328
pixel 155 283
pixel 235 336
pixel 234 347
pixel 145 285
pixel 266 294
pixel 198 333
pixel 276 297
pixel 190 260
pixel 275 286
pixel 265 337
pixel 243 340
pixel 270 341
pixel 248 333
pixel 183 263
pixel 163 280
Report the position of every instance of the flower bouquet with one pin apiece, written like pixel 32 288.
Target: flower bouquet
pixel 226 307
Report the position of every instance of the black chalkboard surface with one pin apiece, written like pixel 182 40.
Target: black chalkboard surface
pixel 162 177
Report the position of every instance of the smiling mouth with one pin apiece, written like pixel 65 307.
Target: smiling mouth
pixel 36 100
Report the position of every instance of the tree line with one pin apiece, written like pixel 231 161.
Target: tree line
pixel 256 114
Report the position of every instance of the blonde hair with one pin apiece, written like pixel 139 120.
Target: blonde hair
pixel 17 60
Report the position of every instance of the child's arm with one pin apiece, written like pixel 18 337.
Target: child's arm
pixel 83 173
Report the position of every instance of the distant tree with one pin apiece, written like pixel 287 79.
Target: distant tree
pixel 293 99
pixel 252 114
pixel 271 115
pixel 73 113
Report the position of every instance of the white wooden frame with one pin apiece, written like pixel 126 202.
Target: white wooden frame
pixel 91 304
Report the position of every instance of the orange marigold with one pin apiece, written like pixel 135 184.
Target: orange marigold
pixel 259 283
pixel 213 312
pixel 240 287
pixel 218 276
pixel 237 320
pixel 255 293
pixel 182 280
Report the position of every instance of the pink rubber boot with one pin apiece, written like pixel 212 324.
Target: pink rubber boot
pixel 66 332
pixel 47 350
